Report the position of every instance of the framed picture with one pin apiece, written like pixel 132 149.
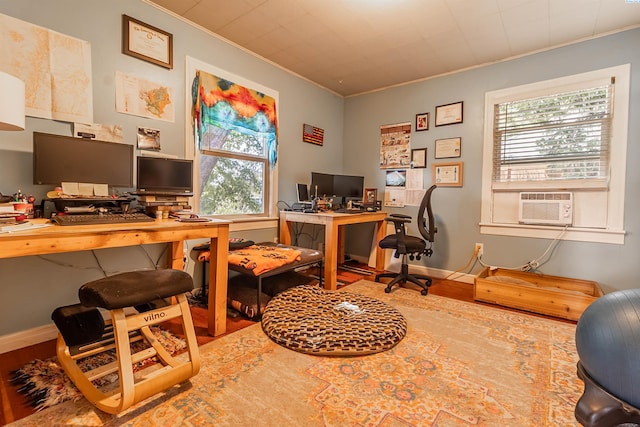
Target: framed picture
pixel 449 114
pixel 447 174
pixel 447 148
pixel 146 42
pixel 370 196
pixel 419 158
pixel 422 122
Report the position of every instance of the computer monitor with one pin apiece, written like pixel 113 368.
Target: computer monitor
pixel 58 158
pixel 348 186
pixel 164 175
pixel 303 193
pixel 321 184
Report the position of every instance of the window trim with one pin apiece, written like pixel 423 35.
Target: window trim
pixel 271 187
pixel 613 232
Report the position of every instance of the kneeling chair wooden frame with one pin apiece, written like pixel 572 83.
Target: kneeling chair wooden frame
pixel 146 291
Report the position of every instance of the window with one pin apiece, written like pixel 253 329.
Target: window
pixel 233 143
pixel 233 174
pixel 559 137
pixel 567 134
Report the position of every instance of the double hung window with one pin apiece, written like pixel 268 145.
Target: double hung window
pixel 233 143
pixel 561 137
pixel 567 134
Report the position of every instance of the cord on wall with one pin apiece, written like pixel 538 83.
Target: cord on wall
pixel 534 263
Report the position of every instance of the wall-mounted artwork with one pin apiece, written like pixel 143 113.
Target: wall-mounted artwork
pixel 419 158
pixel 448 148
pixel 449 114
pixel 447 174
pixel 148 139
pixel 422 122
pixel 146 42
pixel 395 141
pixel 312 134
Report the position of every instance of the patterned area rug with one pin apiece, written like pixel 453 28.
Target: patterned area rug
pixel 460 364
pixel 45 384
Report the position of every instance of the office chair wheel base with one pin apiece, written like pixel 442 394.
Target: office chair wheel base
pixel 424 292
pixel 387 290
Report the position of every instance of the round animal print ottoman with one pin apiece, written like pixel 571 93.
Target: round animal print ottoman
pixel 312 320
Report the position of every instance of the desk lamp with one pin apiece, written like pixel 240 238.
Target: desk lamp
pixel 11 102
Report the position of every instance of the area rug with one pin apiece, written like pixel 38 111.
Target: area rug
pixel 44 382
pixel 460 364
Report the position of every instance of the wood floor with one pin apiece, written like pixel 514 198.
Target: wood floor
pixel 14 406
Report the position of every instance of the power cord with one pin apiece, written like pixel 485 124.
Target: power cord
pixel 535 263
pixel 475 258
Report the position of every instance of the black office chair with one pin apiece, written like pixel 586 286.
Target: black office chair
pixel 410 246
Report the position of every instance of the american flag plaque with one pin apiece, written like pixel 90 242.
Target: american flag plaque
pixel 312 134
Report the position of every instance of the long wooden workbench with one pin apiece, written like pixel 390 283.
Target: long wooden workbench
pixel 56 239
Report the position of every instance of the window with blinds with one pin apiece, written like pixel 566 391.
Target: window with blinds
pixel 556 137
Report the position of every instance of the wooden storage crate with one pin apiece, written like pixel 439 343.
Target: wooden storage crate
pixel 538 293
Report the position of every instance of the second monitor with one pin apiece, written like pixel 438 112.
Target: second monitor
pixel 343 187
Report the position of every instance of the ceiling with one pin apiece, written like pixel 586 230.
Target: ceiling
pixel 357 46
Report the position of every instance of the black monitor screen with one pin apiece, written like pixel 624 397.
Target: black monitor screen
pixel 321 184
pixel 303 193
pixel 159 174
pixel 343 186
pixel 348 186
pixel 58 159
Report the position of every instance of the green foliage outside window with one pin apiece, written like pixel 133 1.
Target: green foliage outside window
pixel 232 174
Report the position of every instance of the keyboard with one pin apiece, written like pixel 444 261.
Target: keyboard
pixel 108 218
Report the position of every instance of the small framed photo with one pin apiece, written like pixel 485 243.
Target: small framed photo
pixel 449 114
pixel 370 196
pixel 146 42
pixel 419 158
pixel 448 148
pixel 422 122
pixel 447 174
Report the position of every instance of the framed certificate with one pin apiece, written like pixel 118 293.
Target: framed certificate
pixel 447 148
pixel 449 114
pixel 447 174
pixel 146 42
pixel 419 158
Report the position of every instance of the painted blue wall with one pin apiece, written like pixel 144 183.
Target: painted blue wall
pixel 458 209
pixel 33 286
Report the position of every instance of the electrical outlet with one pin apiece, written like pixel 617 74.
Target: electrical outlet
pixel 479 249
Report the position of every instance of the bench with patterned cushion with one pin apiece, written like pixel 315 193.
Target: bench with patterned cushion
pixel 251 302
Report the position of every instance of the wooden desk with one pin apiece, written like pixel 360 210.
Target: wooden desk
pixel 56 239
pixel 333 236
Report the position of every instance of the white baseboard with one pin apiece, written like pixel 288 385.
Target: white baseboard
pixel 394 265
pixel 26 338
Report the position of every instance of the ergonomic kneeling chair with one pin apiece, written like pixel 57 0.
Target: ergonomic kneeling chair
pixel 411 247
pixel 157 296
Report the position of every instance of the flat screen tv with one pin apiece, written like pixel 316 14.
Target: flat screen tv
pixel 160 175
pixel 58 159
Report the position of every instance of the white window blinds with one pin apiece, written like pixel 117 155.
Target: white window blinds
pixel 556 137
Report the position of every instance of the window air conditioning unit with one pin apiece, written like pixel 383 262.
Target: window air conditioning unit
pixel 548 208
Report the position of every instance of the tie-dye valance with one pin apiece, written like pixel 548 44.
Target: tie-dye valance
pixel 220 106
